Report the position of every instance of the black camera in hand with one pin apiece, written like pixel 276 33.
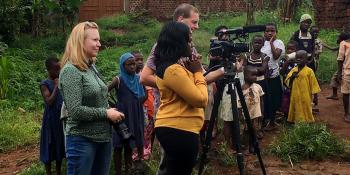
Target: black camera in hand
pixel 120 127
pixel 122 130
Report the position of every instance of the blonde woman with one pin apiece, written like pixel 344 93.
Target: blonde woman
pixel 88 131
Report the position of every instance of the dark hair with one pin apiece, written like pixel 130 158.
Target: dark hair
pixel 294 43
pixel 258 36
pixel 272 24
pixel 184 10
pixel 50 61
pixel 219 28
pixel 172 44
pixel 249 70
pixel 343 36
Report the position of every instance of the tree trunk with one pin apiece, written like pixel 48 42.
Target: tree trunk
pixel 250 12
pixel 273 4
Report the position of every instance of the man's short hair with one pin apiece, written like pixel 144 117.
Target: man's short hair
pixel 184 10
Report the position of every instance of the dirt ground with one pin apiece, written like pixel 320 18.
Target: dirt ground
pixel 15 161
pixel 331 112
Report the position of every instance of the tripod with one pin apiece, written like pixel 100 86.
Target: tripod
pixel 234 86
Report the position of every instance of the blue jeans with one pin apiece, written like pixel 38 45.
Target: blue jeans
pixel 85 157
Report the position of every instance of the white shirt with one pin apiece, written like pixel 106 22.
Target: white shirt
pixel 273 63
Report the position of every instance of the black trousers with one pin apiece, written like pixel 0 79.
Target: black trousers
pixel 180 150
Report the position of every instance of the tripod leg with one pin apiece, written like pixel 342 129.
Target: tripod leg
pixel 208 137
pixel 236 129
pixel 249 125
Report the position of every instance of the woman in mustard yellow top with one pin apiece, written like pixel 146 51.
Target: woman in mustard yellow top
pixel 183 95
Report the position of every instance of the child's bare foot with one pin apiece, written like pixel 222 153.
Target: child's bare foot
pixel 332 97
pixel 347 118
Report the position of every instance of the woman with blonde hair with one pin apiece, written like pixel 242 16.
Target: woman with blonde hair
pixel 88 129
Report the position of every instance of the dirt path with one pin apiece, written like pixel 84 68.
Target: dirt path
pixel 331 112
pixel 15 161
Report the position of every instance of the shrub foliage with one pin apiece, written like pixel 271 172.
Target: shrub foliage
pixel 307 141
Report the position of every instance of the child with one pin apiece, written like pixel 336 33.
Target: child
pixel 131 95
pixel 303 84
pixel 274 49
pixel 51 138
pixel 148 108
pixel 139 61
pixel 334 80
pixel 253 93
pixel 318 45
pixel 260 61
pixel 344 75
pixel 287 64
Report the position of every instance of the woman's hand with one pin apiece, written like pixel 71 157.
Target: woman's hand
pixel 114 115
pixel 194 66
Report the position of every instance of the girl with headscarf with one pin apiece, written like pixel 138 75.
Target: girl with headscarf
pixel 130 95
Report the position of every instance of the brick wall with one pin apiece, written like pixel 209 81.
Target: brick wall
pixel 332 13
pixel 164 8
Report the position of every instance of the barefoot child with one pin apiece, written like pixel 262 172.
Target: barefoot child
pixel 274 49
pixel 131 95
pixel 148 108
pixel 334 80
pixel 51 138
pixel 260 61
pixel 286 65
pixel 303 84
pixel 253 94
pixel 344 75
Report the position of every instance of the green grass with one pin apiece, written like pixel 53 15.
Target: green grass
pixel 307 142
pixel 18 129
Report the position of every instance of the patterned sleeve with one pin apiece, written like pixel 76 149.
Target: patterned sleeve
pixel 341 53
pixel 260 90
pixel 71 87
pixel 150 59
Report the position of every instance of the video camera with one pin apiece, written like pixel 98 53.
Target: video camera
pixel 236 44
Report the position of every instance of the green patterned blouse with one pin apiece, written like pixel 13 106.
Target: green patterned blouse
pixel 85 97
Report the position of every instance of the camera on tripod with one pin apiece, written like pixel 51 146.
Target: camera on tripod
pixel 236 44
pixel 228 49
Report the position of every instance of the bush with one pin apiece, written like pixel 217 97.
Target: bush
pixel 307 141
pixel 5 70
pixel 112 22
